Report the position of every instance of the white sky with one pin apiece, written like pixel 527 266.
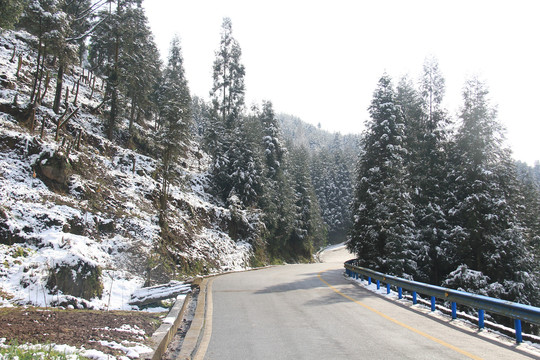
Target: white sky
pixel 321 60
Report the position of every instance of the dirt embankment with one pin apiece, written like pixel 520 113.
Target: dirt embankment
pixel 77 327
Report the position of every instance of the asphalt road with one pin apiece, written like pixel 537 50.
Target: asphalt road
pixel 313 312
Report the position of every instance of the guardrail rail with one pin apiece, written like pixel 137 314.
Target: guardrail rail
pixel 516 311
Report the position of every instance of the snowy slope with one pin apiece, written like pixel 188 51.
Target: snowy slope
pixel 94 211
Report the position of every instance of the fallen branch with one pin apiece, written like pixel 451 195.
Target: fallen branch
pixel 60 124
pixel 95 110
pixel 154 294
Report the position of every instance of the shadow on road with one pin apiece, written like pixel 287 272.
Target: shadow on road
pixel 326 296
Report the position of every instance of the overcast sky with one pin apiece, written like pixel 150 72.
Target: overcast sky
pixel 321 60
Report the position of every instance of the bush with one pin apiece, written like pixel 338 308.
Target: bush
pixel 82 280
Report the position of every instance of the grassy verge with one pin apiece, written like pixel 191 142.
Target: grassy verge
pixel 37 351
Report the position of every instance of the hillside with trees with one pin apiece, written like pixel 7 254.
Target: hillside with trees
pixel 112 170
pixel 114 175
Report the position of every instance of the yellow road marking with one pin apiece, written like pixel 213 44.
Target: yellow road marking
pixel 438 341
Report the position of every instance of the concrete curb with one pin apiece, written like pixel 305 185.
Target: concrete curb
pixel 193 336
pixel 164 334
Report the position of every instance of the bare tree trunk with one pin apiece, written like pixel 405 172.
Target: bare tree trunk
pixel 34 85
pixel 76 93
pixel 19 64
pixel 94 110
pixel 59 85
pixel 164 187
pixel 13 55
pixel 112 115
pixel 32 117
pixel 131 117
pixel 42 126
pixel 93 86
pixel 66 100
pixel 46 87
pixel 114 80
pixel 42 68
pixel 79 139
pixel 60 124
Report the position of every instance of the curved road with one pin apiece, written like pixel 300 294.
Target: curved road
pixel 312 312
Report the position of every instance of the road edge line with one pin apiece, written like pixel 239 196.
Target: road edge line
pixel 207 327
pixel 191 346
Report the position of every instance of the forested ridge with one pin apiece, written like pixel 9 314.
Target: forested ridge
pixel 420 194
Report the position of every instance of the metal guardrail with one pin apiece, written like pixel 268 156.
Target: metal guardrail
pixel 516 311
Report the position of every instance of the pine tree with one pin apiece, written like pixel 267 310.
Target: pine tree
pixel 383 223
pixel 339 195
pixel 108 52
pixel 529 209
pixel 321 177
pixel 309 230
pixel 228 88
pixel 273 148
pixel 46 20
pixel 236 155
pixel 81 14
pixel 175 116
pixel 201 120
pixel 245 172
pixel 426 139
pixel 140 68
pixel 78 15
pixel 332 181
pixel 277 202
pixel 485 230
pixel 10 11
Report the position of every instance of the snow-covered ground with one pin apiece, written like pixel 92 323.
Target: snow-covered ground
pixel 107 218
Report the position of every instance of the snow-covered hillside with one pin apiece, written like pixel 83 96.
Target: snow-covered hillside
pixel 79 219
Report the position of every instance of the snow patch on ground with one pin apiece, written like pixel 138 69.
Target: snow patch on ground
pixel 131 350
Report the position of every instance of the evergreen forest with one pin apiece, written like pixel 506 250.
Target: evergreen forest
pixel 420 194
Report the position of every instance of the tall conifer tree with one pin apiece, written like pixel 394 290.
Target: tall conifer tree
pixel 309 231
pixel 175 116
pixel 486 235
pixel 383 223
pixel 10 11
pixel 109 54
pixel 426 140
pixel 278 202
pixel 228 88
pixel 236 160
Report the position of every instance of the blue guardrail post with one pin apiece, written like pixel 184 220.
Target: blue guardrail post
pixel 517 326
pixel 387 288
pixel 481 319
pixel 414 300
pixel 369 280
pixel 433 303
pixel 378 284
pixel 400 293
pixel 454 310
